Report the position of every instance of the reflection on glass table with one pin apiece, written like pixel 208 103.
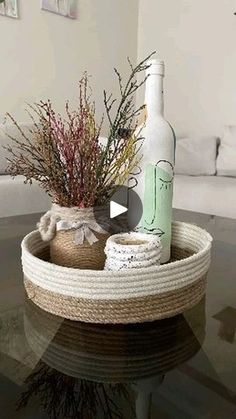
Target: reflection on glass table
pixel 181 368
pixel 105 371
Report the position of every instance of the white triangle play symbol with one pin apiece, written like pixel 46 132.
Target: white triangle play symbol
pixel 116 209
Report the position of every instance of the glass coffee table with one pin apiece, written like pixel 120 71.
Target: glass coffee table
pixel 183 367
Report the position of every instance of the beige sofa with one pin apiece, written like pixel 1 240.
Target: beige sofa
pixel 214 195
pixel 205 178
pixel 16 197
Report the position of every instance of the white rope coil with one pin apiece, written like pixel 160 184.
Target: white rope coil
pixel 132 250
pixel 125 283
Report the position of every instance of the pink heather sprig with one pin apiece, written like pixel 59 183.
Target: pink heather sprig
pixel 63 154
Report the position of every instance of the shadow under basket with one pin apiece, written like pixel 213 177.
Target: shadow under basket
pixel 127 296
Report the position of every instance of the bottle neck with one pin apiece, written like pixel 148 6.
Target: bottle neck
pixel 154 99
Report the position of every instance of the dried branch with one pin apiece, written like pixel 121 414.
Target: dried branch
pixel 126 114
pixel 64 154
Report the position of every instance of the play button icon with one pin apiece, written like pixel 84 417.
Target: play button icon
pixel 126 206
pixel 116 209
pixel 123 213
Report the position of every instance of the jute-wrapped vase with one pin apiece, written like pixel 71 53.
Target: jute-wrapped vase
pixel 77 237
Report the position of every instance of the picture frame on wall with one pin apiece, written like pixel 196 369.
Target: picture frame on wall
pixel 66 8
pixel 9 8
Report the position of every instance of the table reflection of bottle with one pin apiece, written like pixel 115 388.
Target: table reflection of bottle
pixel 145 389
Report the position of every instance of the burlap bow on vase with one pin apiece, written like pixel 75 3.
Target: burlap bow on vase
pixel 76 238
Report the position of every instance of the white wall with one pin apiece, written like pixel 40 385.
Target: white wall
pixel 196 38
pixel 43 55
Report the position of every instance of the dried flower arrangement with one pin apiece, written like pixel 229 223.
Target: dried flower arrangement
pixel 64 154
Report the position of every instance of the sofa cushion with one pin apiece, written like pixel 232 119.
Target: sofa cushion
pixel 214 195
pixel 226 160
pixel 196 156
pixel 5 130
pixel 17 198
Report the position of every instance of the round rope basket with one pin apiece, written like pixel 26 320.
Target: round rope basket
pixel 114 354
pixel 126 296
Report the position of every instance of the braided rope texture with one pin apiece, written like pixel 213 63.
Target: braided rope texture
pixel 65 252
pixel 125 296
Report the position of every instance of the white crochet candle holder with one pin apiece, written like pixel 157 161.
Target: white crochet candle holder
pixel 132 250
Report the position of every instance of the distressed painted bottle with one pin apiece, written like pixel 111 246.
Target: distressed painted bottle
pixel 156 184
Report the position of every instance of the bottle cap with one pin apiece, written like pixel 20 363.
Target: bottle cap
pixel 156 67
